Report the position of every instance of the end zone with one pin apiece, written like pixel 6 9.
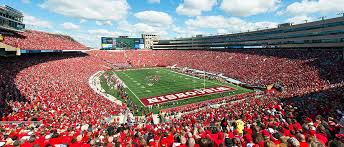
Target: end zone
pixel 185 95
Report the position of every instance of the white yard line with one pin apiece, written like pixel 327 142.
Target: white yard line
pixel 129 69
pixel 167 88
pixel 131 90
pixel 194 77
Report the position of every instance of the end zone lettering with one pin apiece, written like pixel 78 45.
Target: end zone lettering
pixel 185 95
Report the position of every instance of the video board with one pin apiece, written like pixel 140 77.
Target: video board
pixel 108 43
pixel 129 43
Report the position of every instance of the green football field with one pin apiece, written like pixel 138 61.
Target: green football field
pixel 147 83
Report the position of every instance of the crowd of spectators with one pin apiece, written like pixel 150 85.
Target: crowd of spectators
pixel 37 40
pixel 294 68
pixel 53 90
pixel 120 93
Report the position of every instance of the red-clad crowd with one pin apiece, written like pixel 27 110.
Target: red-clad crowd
pixel 294 68
pixel 37 40
pixel 53 90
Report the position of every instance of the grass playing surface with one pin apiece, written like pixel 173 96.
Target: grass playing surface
pixel 144 83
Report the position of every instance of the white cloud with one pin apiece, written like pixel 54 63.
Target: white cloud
pixel 90 9
pixel 36 22
pixel 104 23
pixel 92 37
pixel 315 6
pixel 249 7
pixel 82 20
pixel 26 1
pixel 223 25
pixel 279 13
pixel 300 19
pixel 70 26
pixel 186 32
pixel 102 32
pixel 222 31
pixel 139 28
pixel 195 7
pixel 154 17
pixel 87 39
pixel 262 25
pixel 154 1
pixel 209 22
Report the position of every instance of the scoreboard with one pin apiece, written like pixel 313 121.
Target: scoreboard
pixel 110 43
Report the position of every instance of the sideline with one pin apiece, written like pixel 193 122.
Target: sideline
pixel 129 88
pixel 94 83
pixel 198 78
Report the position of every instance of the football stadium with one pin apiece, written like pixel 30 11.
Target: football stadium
pixel 68 81
pixel 165 87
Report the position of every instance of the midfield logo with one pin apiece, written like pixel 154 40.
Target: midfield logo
pixel 151 80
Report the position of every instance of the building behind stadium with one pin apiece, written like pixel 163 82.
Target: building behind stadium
pixel 325 33
pixel 11 21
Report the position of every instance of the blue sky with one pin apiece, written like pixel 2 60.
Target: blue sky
pixel 88 20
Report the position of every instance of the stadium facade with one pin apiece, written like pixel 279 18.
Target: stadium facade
pixel 149 40
pixel 11 19
pixel 328 33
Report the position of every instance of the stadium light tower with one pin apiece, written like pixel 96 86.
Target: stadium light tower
pixel 341 14
pixel 322 17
